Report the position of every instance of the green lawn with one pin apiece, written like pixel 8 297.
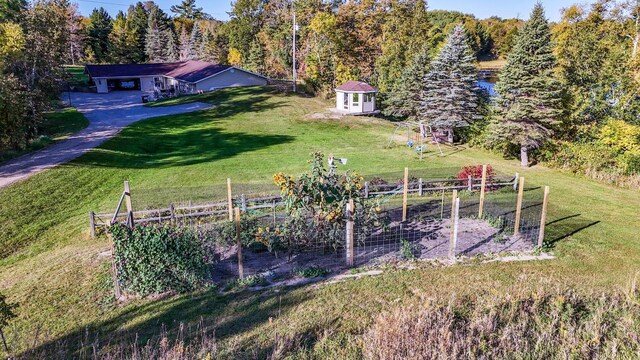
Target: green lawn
pixel 58 125
pixel 59 275
pixel 78 77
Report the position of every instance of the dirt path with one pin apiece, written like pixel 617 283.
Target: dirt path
pixel 107 115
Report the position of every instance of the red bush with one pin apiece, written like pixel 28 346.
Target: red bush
pixel 475 171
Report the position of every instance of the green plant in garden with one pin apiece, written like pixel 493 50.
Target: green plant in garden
pixel 406 248
pixel 247 281
pixel 153 259
pixel 312 272
pixel 6 314
pixel 316 205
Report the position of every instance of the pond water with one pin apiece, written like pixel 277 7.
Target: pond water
pixel 488 84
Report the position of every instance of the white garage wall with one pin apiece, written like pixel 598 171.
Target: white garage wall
pixel 230 78
pixel 101 86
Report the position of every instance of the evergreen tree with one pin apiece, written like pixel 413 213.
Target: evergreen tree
pixel 188 10
pixel 172 53
pixel 98 30
pixel 184 45
pixel 121 41
pixel 255 61
pixel 157 35
pixel 449 98
pixel 138 22
pixel 405 98
pixel 529 95
pixel 195 42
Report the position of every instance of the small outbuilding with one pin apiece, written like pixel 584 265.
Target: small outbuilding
pixel 356 98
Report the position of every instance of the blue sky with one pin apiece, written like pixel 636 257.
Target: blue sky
pixel 481 8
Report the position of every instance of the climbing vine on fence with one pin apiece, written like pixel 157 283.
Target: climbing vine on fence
pixel 316 204
pixel 153 259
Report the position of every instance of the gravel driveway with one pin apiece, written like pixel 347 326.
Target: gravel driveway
pixel 107 115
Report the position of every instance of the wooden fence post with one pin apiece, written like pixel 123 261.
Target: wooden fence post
pixel 230 199
pixel 405 194
pixel 455 208
pixel 483 184
pixel 127 198
pixel 349 233
pixel 470 183
pixel 92 222
pixel 239 244
pixel 420 187
pixel 543 216
pixel 243 201
pixel 173 212
pixel 366 189
pixel 515 182
pixel 516 227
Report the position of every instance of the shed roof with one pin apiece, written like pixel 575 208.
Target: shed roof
pixel 356 86
pixel 189 71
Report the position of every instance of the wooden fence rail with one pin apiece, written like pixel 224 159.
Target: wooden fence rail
pixel 248 203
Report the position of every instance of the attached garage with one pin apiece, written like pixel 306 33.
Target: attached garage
pixel 182 77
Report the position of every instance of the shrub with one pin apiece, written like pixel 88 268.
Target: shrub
pixel 528 326
pixel 312 272
pixel 154 259
pixel 475 171
pixel 224 232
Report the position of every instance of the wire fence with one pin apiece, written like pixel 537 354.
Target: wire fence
pixel 436 224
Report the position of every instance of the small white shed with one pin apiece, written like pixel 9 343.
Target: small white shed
pixel 356 97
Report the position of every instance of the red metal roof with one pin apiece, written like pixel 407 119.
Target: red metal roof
pixel 353 85
pixel 189 71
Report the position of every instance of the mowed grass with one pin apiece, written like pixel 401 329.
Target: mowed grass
pixel 58 125
pixel 76 75
pixel 59 275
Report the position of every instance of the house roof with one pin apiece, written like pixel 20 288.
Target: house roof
pixel 190 71
pixel 356 86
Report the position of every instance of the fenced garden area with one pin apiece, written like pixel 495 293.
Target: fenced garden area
pixel 319 223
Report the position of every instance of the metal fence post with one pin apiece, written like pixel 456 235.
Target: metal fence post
pixel 92 222
pixel 405 194
pixel 239 244
pixel 229 199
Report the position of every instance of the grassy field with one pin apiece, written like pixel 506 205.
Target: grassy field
pixel 59 275
pixel 77 75
pixel 57 126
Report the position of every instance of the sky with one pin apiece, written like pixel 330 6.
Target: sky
pixel 480 8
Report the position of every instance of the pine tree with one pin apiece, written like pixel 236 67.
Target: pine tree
pixel 449 98
pixel 172 54
pixel 255 60
pixel 157 35
pixel 138 22
pixel 184 45
pixel 121 40
pixel 98 30
pixel 529 95
pixel 188 10
pixel 195 42
pixel 404 100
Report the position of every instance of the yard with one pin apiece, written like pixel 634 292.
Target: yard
pixel 60 276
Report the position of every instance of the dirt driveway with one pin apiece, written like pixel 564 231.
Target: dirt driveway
pixel 107 115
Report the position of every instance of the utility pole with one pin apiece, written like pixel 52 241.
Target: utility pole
pixel 295 28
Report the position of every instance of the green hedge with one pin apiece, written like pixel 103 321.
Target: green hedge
pixel 154 259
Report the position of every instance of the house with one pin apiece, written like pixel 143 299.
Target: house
pixel 184 77
pixel 356 98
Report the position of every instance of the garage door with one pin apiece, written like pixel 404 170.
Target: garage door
pixel 124 84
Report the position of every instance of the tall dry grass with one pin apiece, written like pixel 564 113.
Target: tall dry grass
pixel 561 325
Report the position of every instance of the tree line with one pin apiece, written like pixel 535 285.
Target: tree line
pixel 569 93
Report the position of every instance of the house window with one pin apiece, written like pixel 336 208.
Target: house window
pixel 356 99
pixel 368 98
pixel 345 97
